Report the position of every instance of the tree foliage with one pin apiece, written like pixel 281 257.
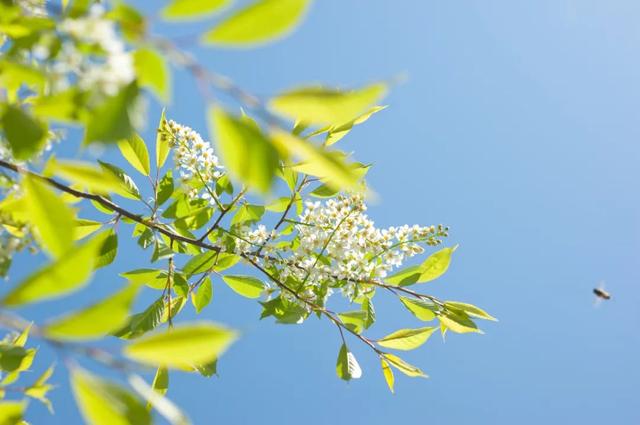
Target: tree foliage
pixel 273 208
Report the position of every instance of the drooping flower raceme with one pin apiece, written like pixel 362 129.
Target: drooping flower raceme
pixel 195 160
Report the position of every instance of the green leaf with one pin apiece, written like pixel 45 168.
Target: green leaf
pixel 249 154
pixel 165 188
pixel 163 137
pixel 105 402
pixel 347 366
pixel 248 213
pixel 15 359
pixel 134 150
pixel 209 369
pixel 192 9
pixel 127 187
pixel 436 265
pixel 154 278
pixel 404 367
pixel 54 221
pixel 458 321
pixel 330 166
pixel 336 133
pixel 247 286
pixel 279 205
pixel 84 228
pixel 67 274
pixel 161 381
pixel 388 374
pixel 22 338
pixel 407 339
pixel 324 191
pixel 11 412
pixel 108 250
pixel 143 322
pixel 202 296
pixel 260 22
pixel 26 136
pixel 153 72
pixel 95 321
pixel 469 309
pixel 432 268
pixel 111 120
pixel 41 388
pixel 354 320
pixel 161 404
pixel 101 181
pixel 183 346
pixel 327 106
pixel 370 313
pixel 422 310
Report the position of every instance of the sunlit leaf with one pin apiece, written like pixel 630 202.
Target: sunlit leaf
pixel 105 402
pixel 388 374
pixel 163 138
pixel 26 136
pixel 247 286
pixel 54 221
pixel 153 72
pixel 11 412
pixel 327 106
pixel 404 367
pixel 67 274
pixel 471 310
pixel 260 22
pixel 202 296
pixel 183 346
pixel 354 320
pixel 421 309
pixel 95 321
pixel 249 154
pixel 111 121
pixel 347 366
pixel 135 152
pixel 406 339
pixel 192 9
pixel 458 321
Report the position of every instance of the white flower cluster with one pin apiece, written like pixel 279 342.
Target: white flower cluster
pixel 108 71
pixel 194 157
pixel 249 240
pixel 339 243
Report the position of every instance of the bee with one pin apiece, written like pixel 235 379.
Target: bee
pixel 601 294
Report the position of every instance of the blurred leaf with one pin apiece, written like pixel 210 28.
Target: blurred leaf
pixel 327 106
pixel 336 133
pixel 260 22
pixel 330 166
pixel 67 274
pixel 111 121
pixel 162 405
pixel 41 388
pixel 247 286
pixel 54 221
pixel 407 339
pixel 105 402
pixel 248 213
pixel 134 150
pixel 26 136
pixel 202 296
pixel 11 412
pixel 192 9
pixel 183 346
pixel 153 71
pixel 249 154
pixel 161 381
pixel 347 366
pixel 95 321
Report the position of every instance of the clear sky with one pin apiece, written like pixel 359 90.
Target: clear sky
pixel 519 127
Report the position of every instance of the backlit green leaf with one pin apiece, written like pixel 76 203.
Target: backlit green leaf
pixel 11 412
pixel 327 106
pixel 471 310
pixel 26 136
pixel 183 346
pixel 388 374
pixel 354 320
pixel 247 286
pixel 105 402
pixel 421 309
pixel 192 9
pixel 67 274
pixel 406 339
pixel 153 72
pixel 260 22
pixel 108 250
pixel 436 265
pixel 111 121
pixel 202 296
pixel 135 151
pixel 54 221
pixel 347 366
pixel 163 137
pixel 404 367
pixel 249 154
pixel 95 321
pixel 458 321
pixel 99 180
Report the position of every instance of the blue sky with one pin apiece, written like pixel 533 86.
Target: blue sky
pixel 518 128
